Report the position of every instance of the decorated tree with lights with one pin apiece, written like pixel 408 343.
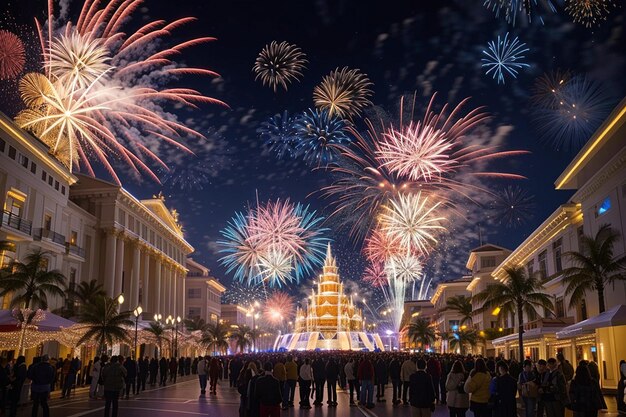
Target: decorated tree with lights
pixel 241 336
pixel 104 323
pixel 421 332
pixel 215 337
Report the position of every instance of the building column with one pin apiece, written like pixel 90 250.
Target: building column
pixel 109 265
pixel 174 295
pixel 134 278
pixel 119 267
pixel 145 283
pixel 156 284
pixel 169 300
pixel 182 295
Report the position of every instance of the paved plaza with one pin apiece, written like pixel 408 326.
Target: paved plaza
pixel 182 399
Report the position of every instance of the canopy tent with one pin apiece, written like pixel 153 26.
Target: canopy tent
pixel 50 323
pixel 615 316
pixel 47 327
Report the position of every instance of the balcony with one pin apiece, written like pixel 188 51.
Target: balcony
pixel 74 250
pixel 15 222
pixel 41 234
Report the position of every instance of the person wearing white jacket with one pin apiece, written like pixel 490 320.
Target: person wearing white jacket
pixel 408 368
pixel 306 376
pixel 95 377
pixel 353 383
pixel 457 398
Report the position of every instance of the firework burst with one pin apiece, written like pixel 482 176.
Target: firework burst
pixel 589 13
pixel 374 274
pixel 380 246
pixel 411 220
pixel 319 136
pixel 513 206
pixel 279 64
pixel 104 94
pixel 344 92
pixel 278 308
pixel 12 55
pixel 279 134
pixel 512 10
pixel 504 57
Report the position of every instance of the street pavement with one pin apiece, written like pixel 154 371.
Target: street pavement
pixel 183 399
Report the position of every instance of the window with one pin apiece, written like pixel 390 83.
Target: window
pixel 487 261
pixel 603 207
pixel 63 189
pixel 193 312
pixel 530 267
pixel 2 145
pixel 56 185
pixel 45 262
pixel 47 222
pixel 15 207
pixel 23 160
pixel 44 175
pixel 543 264
pixel 50 180
pixel 194 293
pixel 559 307
pixel 557 249
pixel 33 167
pixel 73 238
pixel 12 152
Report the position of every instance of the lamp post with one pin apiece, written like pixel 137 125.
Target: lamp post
pixel 174 321
pixel 137 312
pixel 120 301
pixel 389 334
pixel 157 318
pixel 254 316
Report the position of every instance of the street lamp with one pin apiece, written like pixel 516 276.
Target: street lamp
pixel 174 322
pixel 389 334
pixel 120 301
pixel 157 318
pixel 137 312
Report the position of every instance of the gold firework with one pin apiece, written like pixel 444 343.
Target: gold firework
pixel 279 64
pixel 589 12
pixel 344 92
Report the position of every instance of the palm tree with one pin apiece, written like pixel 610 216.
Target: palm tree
pixel 420 331
pixel 31 282
pixel 241 335
pixel 216 337
pixel 104 323
pixel 517 294
pixel 157 330
pixel 463 338
pixel 194 324
pixel 461 305
pixel 594 268
pixel 83 294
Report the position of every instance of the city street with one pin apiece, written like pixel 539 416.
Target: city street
pixel 182 399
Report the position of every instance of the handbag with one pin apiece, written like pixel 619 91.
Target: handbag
pixel 530 390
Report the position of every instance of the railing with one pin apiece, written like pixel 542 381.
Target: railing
pixel 549 322
pixel 16 222
pixel 55 237
pixel 74 250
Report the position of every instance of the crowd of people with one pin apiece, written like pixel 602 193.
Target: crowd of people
pixel 268 382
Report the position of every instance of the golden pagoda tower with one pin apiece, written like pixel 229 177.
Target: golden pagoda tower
pixel 330 321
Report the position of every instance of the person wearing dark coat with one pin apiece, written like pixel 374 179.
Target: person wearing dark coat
pixel 163 367
pixel 504 388
pixel 235 369
pixel 154 370
pixel 131 375
pixel 421 391
pixel 584 393
pixel 332 375
pixel 4 383
pixel 18 377
pixel 380 379
pixel 319 378
pixel 173 367
pixel 42 377
pixel 144 368
pixel 621 388
pixel 187 366
pixel 267 392
pixel 396 382
pixel 433 368
pixel 215 373
pixel 181 366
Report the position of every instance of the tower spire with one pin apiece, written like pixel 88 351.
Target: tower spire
pixel 330 261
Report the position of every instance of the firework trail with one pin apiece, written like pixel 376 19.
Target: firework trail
pixel 279 64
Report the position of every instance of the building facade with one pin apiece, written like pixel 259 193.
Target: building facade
pixel 203 294
pixel 446 321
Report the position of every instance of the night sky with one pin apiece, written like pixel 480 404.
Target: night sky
pixel 403 47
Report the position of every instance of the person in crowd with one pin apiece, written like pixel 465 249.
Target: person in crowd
pixel 163 367
pixel 215 373
pixel 173 369
pixel 291 369
pixel 528 388
pixel 305 379
pixel 433 367
pixel 86 374
pixel 95 377
pixel 396 384
pixel 154 370
pixel 194 366
pixel 69 376
pixel 584 393
pixel 541 370
pixel 280 373
pixel 18 377
pixel 187 366
pixel 113 376
pixel 477 386
pixel 144 369
pixel 456 397
pixel 381 377
pixel 408 368
pixel 332 375
pixel 254 405
pixel 319 379
pixel 351 379
pixel 202 368
pixel 421 391
pixel 42 377
pixel 504 391
pixel 268 393
pixel 365 375
pixel 181 366
pixel 554 390
pixel 248 371
pixel 131 375
pixel 4 384
pixel 620 396
pixel 565 367
pixel 594 370
pixel 234 368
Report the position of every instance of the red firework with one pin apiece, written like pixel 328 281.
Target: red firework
pixel 375 274
pixel 278 308
pixel 12 55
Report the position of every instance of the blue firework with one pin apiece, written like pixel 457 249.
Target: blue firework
pixel 512 10
pixel 503 57
pixel 279 134
pixel 319 136
pixel 240 253
pixel 314 234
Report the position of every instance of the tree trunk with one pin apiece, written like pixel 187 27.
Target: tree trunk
pixel 600 289
pixel 520 331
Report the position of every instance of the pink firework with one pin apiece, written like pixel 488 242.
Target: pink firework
pixel 12 55
pixel 380 246
pixel 278 308
pixel 375 275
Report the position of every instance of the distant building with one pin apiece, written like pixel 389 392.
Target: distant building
pixel 236 315
pixel 413 309
pixel 203 293
pixel 447 321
